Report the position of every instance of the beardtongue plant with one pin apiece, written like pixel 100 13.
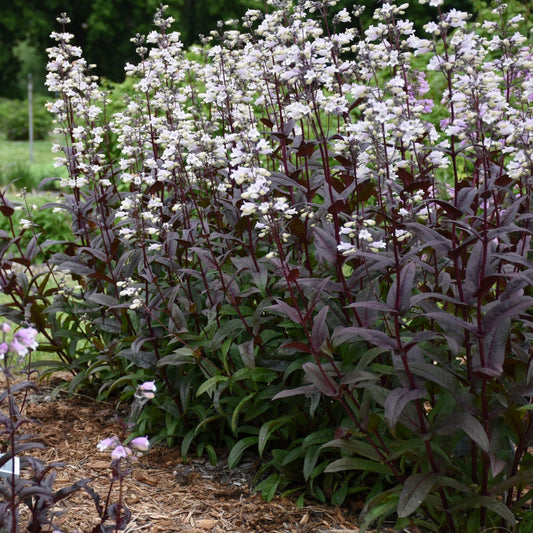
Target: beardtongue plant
pixel 124 452
pixel 318 238
pixel 25 481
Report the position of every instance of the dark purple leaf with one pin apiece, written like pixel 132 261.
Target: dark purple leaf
pixel 470 425
pixel 497 312
pixel 376 306
pixel 451 320
pixel 435 374
pixel 336 207
pixel 320 331
pixel 475 270
pixel 452 211
pixel 304 389
pixel 285 309
pixel 399 295
pixel 326 246
pixel 101 299
pixel 73 267
pixel 246 350
pixel 396 402
pixel 6 210
pixel 267 122
pixel 98 254
pixel 298 346
pixel 495 349
pixel 320 379
pixel 354 334
pixel 414 491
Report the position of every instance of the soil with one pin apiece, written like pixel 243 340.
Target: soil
pixel 163 494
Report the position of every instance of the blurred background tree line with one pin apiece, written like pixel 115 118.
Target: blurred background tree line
pixel 103 29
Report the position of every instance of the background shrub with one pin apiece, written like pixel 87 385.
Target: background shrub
pixel 14 119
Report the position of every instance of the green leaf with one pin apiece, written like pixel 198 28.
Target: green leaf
pixel 379 507
pixel 485 502
pixel 186 443
pixel 268 486
pixel 181 356
pixel 310 459
pixel 470 425
pixel 354 446
pixel 209 385
pixel 237 410
pixel 340 494
pixel 268 428
pixel 525 477
pixel 414 492
pixel 238 449
pixel 211 453
pixel 355 463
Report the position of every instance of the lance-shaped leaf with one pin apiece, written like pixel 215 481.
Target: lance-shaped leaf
pixel 374 336
pixel 496 312
pixel 326 246
pixel 414 492
pixel 304 389
pixel 355 463
pixel 399 295
pixel 325 384
pixel 475 270
pixel 485 502
pixel 495 350
pixel 246 350
pixel 435 374
pixel 470 425
pixel 396 402
pixel 320 331
pixel 285 309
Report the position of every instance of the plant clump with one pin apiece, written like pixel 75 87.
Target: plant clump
pixel 317 238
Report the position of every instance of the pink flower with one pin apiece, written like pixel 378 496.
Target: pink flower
pixel 111 442
pixel 27 337
pixel 17 348
pixel 120 452
pixel 148 389
pixel 141 443
pixel 5 327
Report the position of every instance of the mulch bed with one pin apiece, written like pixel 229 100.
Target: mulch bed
pixel 164 495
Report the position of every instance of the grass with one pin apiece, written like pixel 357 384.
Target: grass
pixel 15 162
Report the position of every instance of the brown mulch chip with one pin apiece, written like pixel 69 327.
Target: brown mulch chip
pixel 163 495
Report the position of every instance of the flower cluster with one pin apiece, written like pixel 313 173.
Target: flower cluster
pixel 144 392
pixel 23 340
pixel 120 451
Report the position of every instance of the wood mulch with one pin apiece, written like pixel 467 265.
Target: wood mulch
pixel 164 495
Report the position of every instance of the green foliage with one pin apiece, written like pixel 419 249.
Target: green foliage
pixel 14 119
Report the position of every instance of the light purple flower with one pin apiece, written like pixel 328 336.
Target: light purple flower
pixel 5 327
pixel 17 348
pixel 27 337
pixel 120 452
pixel 148 389
pixel 140 443
pixel 111 442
